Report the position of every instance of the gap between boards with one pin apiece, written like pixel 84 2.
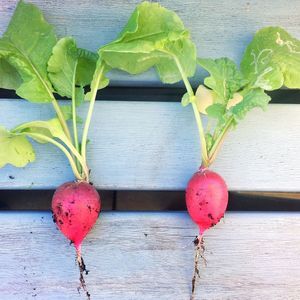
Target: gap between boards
pixel 162 94
pixel 152 200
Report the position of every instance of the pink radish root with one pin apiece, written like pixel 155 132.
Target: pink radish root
pixel 76 207
pixel 206 200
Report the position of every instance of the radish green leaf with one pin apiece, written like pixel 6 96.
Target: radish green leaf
pixel 272 59
pixel 9 77
pixel 50 128
pixel 26 38
pixel 254 98
pixel 225 78
pixel 15 149
pixel 68 64
pixel 153 36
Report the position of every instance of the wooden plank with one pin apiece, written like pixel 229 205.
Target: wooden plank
pixel 150 256
pixel 154 146
pixel 218 28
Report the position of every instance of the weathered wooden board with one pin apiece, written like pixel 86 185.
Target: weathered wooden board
pixel 154 146
pixel 219 28
pixel 150 256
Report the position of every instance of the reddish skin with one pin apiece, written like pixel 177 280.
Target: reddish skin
pixel 76 207
pixel 206 198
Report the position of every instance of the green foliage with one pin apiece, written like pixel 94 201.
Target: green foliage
pixel 153 36
pixel 272 59
pixel 86 66
pixel 26 38
pixel 254 98
pixel 36 66
pixel 62 66
pixel 15 149
pixel 231 94
pixel 185 100
pixel 51 129
pixel 225 78
pixel 69 66
pixel 9 77
pixel 217 111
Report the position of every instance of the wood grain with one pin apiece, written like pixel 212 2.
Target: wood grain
pixel 154 146
pixel 218 28
pixel 150 256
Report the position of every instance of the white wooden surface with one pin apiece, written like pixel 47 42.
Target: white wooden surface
pixel 219 28
pixel 150 256
pixel 154 146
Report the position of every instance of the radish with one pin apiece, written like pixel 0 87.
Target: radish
pixel 229 92
pixel 61 68
pixel 206 201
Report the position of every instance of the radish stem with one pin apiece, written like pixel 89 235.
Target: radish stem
pixel 74 117
pixel 61 117
pixel 65 140
pixel 205 160
pixel 60 146
pixel 80 159
pixel 219 141
pixel 100 67
pixel 196 113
